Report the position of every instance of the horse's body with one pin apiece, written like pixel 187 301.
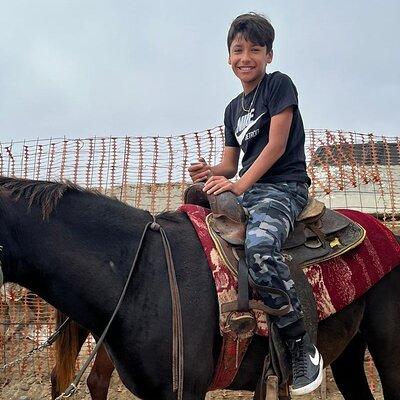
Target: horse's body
pixel 78 258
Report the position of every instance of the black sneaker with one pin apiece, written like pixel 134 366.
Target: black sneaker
pixel 307 365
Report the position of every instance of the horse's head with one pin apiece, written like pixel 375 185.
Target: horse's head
pixel 23 203
pixel 47 225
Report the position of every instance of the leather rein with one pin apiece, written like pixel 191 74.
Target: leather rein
pixel 177 326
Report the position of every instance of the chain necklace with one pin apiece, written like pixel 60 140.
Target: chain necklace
pixel 252 100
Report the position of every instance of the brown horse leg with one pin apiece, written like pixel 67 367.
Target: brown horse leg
pixel 351 364
pixel 99 378
pixel 67 349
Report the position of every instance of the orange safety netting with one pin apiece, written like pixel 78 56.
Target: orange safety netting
pixel 348 170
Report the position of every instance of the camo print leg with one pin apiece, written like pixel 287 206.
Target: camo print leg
pixel 272 210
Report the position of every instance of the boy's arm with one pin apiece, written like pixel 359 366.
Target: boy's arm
pixel 275 148
pixel 229 164
pixel 227 167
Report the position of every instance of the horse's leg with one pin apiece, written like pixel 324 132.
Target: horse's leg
pixel 351 364
pixel 99 378
pixel 381 330
pixel 67 348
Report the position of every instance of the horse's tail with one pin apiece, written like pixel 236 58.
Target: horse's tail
pixel 67 348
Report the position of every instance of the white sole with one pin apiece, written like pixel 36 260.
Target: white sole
pixel 312 386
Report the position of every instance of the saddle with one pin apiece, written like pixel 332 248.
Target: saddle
pixel 319 233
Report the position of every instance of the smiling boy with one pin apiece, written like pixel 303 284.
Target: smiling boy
pixel 264 122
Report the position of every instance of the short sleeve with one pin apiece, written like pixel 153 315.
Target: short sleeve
pixel 281 94
pixel 230 139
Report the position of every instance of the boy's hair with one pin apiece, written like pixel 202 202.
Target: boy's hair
pixel 254 28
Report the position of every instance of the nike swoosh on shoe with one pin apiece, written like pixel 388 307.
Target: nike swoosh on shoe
pixel 315 359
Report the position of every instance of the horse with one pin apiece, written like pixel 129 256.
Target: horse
pixel 350 363
pixel 74 248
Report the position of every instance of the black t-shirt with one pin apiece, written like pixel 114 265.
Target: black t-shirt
pixel 250 130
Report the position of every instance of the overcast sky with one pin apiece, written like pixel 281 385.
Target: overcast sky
pixel 83 68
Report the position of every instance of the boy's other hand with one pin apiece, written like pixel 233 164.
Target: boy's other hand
pixel 199 171
pixel 219 184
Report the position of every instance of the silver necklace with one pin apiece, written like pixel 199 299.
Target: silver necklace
pixel 252 100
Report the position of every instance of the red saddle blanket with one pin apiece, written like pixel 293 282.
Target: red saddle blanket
pixel 336 282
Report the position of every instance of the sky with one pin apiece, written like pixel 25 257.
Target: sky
pixel 82 68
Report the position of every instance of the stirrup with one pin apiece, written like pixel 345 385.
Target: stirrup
pixel 241 323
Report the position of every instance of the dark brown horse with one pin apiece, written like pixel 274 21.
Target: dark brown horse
pixel 74 248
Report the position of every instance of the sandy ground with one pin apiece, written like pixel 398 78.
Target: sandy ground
pixel 31 387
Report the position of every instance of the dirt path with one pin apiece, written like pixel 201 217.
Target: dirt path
pixel 32 387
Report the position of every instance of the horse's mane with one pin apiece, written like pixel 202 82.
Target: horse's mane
pixel 46 194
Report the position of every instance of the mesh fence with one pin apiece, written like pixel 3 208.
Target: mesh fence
pixel 348 170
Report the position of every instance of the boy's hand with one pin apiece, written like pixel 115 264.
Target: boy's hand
pixel 219 184
pixel 199 171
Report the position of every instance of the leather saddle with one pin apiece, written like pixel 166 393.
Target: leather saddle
pixel 319 233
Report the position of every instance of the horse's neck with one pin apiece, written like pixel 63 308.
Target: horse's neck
pixel 78 268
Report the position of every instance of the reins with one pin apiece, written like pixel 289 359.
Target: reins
pixel 177 326
pixel 50 340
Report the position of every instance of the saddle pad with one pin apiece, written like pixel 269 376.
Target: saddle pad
pixel 336 282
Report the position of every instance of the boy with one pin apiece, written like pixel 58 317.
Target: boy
pixel 265 123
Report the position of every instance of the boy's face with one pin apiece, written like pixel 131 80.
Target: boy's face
pixel 248 61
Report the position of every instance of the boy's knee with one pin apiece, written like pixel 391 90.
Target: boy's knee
pixel 258 257
pixel 260 239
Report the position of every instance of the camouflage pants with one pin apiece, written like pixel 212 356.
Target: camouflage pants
pixel 272 210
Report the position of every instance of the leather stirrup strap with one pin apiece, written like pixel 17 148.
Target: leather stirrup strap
pixel 243 286
pixel 177 323
pixel 321 236
pixel 265 289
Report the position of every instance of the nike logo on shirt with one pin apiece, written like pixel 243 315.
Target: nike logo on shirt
pixel 242 134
